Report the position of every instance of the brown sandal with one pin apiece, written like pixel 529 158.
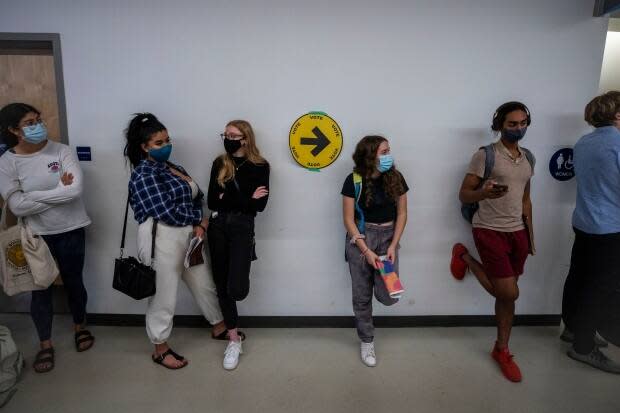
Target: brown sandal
pixel 44 356
pixel 83 336
pixel 160 359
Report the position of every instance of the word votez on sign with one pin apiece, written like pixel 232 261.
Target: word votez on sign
pixel 315 140
pixel 561 164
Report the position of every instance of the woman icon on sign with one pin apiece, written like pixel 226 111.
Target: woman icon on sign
pixel 560 161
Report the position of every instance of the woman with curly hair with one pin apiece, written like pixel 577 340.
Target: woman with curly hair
pixel 374 214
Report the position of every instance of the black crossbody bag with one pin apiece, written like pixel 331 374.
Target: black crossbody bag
pixel 131 277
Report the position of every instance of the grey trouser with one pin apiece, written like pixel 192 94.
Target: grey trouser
pixel 365 279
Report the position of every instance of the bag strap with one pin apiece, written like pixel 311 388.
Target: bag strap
pixel 124 226
pixel 529 156
pixel 357 184
pixel 489 161
pixel 153 233
pixel 5 209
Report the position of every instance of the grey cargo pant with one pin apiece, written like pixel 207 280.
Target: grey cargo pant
pixel 365 279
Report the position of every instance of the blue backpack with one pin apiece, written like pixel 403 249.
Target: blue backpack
pixel 468 210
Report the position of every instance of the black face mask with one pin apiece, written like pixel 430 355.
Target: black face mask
pixel 231 146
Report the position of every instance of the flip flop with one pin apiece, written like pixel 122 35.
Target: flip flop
pixel 224 336
pixel 160 359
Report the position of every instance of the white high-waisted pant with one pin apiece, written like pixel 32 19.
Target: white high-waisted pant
pixel 170 247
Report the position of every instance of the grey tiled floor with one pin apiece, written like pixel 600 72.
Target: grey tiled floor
pixel 311 370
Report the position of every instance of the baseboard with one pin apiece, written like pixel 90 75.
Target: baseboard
pixel 334 321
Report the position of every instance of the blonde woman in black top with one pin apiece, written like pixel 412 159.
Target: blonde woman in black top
pixel 238 189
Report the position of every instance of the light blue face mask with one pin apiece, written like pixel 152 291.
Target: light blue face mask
pixel 385 163
pixel 161 154
pixel 35 133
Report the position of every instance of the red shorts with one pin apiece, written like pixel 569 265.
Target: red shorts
pixel 503 254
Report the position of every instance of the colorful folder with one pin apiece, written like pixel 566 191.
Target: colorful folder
pixel 390 278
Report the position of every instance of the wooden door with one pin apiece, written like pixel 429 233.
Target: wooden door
pixel 31 79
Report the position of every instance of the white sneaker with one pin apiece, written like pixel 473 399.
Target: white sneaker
pixel 367 351
pixel 231 355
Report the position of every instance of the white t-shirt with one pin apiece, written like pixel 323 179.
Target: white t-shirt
pixel 31 185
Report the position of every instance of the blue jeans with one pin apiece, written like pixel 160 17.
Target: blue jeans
pixel 68 250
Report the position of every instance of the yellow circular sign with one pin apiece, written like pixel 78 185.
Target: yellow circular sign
pixel 315 140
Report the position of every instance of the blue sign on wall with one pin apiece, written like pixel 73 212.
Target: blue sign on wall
pixel 83 153
pixel 561 164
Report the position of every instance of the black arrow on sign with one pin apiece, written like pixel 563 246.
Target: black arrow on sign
pixel 320 141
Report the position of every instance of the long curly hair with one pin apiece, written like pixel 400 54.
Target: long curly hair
pixel 365 159
pixel 227 169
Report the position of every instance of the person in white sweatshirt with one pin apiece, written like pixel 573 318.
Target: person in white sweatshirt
pixel 42 182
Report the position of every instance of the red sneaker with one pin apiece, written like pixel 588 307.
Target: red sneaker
pixel 458 266
pixel 506 364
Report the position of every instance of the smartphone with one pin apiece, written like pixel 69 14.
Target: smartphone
pixel 502 188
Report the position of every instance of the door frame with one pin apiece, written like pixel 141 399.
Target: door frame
pixel 43 41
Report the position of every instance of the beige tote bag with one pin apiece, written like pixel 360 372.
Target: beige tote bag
pixel 26 263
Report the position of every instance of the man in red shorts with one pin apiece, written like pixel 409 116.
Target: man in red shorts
pixel 502 225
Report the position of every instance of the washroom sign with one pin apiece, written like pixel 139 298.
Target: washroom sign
pixel 315 140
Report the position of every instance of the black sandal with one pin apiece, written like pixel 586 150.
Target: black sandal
pixel 160 359
pixel 224 336
pixel 83 336
pixel 43 357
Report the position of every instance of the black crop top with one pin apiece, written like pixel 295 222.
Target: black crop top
pixel 382 209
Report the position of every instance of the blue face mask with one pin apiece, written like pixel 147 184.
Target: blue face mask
pixel 385 163
pixel 161 154
pixel 514 135
pixel 35 133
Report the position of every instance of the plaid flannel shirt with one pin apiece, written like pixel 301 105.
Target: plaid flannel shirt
pixel 156 192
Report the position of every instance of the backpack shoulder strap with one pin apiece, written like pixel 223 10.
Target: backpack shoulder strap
pixel 529 156
pixel 489 160
pixel 357 183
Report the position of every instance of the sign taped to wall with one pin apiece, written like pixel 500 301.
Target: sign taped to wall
pixel 315 140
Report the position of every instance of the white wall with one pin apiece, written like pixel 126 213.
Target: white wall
pixel 426 74
pixel 610 73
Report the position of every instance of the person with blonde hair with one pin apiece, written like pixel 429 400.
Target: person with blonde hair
pixel 238 189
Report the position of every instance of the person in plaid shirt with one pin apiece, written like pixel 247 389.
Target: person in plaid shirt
pixel 163 193
pixel 158 192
